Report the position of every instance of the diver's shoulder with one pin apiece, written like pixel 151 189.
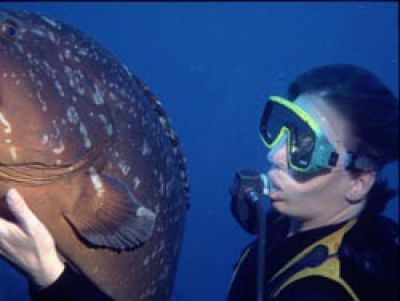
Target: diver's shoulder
pixel 377 237
pixel 372 244
pixel 380 232
pixel 369 257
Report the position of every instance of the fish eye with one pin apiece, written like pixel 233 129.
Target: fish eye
pixel 9 29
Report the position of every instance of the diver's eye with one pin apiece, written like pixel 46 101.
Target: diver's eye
pixel 9 29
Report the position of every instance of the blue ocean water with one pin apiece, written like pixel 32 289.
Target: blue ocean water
pixel 213 65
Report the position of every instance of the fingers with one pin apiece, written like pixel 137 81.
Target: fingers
pixel 9 233
pixel 6 227
pixel 23 214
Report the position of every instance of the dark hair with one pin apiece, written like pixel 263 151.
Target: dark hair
pixel 371 110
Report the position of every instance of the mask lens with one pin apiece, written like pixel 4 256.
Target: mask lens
pixel 272 122
pixel 280 115
pixel 301 144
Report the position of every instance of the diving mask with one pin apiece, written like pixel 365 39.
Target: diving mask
pixel 308 149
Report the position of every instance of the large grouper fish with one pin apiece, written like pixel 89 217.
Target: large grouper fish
pixel 93 153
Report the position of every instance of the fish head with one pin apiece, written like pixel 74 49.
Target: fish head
pixel 55 125
pixel 52 108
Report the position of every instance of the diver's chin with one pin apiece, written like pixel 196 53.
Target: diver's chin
pixel 278 204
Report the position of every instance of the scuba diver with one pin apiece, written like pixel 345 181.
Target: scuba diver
pixel 325 239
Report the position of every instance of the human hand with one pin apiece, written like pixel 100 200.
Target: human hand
pixel 28 244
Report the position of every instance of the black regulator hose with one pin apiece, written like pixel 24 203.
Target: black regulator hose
pixel 247 192
pixel 261 241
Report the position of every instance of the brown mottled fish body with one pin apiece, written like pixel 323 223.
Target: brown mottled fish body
pixel 92 151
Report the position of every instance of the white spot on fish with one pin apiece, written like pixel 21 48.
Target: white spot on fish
pixel 146 150
pixel 108 126
pixel 29 56
pixel 45 139
pixel 80 89
pixel 83 51
pixel 50 21
pixel 124 167
pixel 49 69
pixel 164 273
pixel 13 152
pixel 136 182
pixel 67 53
pixel 38 32
pixel 163 121
pixel 68 71
pixel 8 141
pixel 59 88
pixel 52 37
pixel 126 70
pixel 97 96
pixel 39 84
pixel 112 95
pixel 7 126
pixel 162 184
pixel 19 47
pixel 142 211
pixel 72 115
pixel 85 135
pixel 96 181
pixel 57 130
pixel 59 150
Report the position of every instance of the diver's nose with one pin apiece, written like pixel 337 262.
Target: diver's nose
pixel 278 155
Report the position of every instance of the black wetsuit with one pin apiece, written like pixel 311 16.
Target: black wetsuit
pixel 70 286
pixel 368 260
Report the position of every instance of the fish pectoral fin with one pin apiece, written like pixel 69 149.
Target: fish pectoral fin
pixel 108 215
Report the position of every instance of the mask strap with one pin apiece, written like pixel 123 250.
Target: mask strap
pixel 357 162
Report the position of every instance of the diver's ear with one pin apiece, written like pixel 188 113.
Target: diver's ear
pixel 360 185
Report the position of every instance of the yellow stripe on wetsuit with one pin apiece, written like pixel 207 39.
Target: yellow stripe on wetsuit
pixel 329 268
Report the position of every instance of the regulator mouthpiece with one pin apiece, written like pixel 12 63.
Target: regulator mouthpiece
pixel 265 181
pixel 249 186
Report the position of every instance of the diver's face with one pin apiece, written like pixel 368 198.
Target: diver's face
pixel 321 196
